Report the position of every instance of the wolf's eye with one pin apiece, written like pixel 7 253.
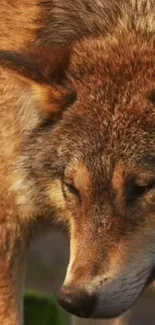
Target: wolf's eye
pixel 137 190
pixel 69 187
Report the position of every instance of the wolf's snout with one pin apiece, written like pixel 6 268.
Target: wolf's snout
pixel 77 301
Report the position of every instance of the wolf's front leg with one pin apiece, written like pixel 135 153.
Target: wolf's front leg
pixel 13 250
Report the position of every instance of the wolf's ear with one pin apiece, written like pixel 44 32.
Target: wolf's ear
pixel 43 69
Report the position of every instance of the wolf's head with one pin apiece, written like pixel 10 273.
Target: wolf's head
pixel 92 163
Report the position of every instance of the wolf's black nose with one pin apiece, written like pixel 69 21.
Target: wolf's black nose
pixel 77 302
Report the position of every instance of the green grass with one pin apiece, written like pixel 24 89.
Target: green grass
pixel 43 310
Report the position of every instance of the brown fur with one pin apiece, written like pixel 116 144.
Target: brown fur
pixel 77 145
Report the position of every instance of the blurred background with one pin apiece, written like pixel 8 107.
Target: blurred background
pixel 47 263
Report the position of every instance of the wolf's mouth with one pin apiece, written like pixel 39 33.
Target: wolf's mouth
pixel 151 277
pixel 121 294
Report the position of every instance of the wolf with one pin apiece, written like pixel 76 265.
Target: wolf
pixel 77 121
